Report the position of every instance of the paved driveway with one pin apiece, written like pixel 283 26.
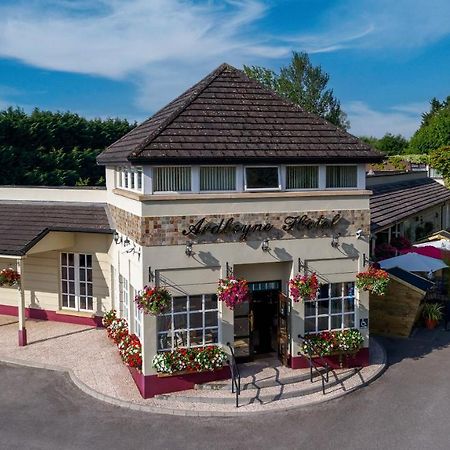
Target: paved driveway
pixel 407 408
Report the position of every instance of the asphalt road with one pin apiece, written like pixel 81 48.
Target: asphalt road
pixel 407 408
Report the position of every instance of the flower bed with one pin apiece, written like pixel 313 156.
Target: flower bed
pixel 153 300
pixel 129 345
pixel 9 277
pixel 333 343
pixel 304 287
pixel 184 360
pixel 373 280
pixel 232 291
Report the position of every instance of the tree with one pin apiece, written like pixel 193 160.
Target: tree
pixel 389 144
pixel 434 131
pixel 47 148
pixel 303 84
pixel 440 160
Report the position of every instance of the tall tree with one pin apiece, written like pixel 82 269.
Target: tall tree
pixel 389 144
pixel 47 148
pixel 434 132
pixel 304 84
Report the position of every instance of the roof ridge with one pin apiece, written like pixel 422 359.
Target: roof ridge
pixel 202 85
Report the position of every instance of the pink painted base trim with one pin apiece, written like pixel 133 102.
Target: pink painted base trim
pixel 22 337
pixel 361 359
pixel 45 314
pixel 151 385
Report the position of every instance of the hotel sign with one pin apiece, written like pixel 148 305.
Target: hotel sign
pixel 232 226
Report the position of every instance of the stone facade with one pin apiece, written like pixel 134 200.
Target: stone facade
pixel 176 230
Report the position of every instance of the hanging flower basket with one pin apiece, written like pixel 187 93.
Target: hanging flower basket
pixel 153 300
pixel 373 280
pixel 304 287
pixel 189 360
pixel 232 291
pixel 130 350
pixel 9 277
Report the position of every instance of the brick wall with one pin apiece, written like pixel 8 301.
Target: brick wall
pixel 154 231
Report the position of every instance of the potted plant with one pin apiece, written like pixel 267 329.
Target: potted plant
pixel 117 329
pixel 432 313
pixel 153 300
pixel 232 291
pixel 9 277
pixel 304 287
pixel 130 350
pixel 373 280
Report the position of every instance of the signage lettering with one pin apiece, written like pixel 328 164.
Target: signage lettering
pixel 230 225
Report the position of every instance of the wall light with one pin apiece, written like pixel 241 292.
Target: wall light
pixel 359 234
pixel 188 250
pixel 117 237
pixel 265 245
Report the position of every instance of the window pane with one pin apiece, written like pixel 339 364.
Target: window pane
pixel 241 326
pixel 88 260
pixel 180 321
pixel 172 179
pixel 65 301
pixel 211 337
pixel 310 308
pixel 211 319
pixel 262 177
pixel 211 301
pixel 323 290
pixel 82 275
pixel 349 289
pixel 64 273
pixel 164 323
pixel 196 320
pixel 195 303
pixel 71 301
pixel 217 178
pixel 349 320
pixel 341 176
pixel 336 322
pixel 310 325
pixel 336 290
pixel 180 339
pixel 71 259
pixel 336 306
pixel 179 304
pixel 302 177
pixel 349 304
pixel 322 324
pixel 64 259
pixel 71 273
pixel 322 307
pixel 164 341
pixel 196 337
pixel 82 260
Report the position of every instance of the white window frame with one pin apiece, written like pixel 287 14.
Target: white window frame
pixel 76 280
pixel 219 190
pixel 341 188
pixel 329 316
pixel 301 189
pixel 138 321
pixel 130 176
pixel 171 332
pixel 247 189
pixel 193 180
pixel 124 298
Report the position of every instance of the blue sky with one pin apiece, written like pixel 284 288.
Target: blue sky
pixel 109 58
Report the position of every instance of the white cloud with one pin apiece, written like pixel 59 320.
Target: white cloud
pixel 385 24
pixel 399 119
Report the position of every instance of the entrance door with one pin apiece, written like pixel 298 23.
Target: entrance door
pixel 283 328
pixel 243 331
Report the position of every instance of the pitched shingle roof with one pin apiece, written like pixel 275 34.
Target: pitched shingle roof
pixel 23 224
pixel 229 117
pixel 393 202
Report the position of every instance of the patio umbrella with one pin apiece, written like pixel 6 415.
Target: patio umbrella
pixel 413 262
pixel 442 244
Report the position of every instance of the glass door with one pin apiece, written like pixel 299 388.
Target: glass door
pixel 243 330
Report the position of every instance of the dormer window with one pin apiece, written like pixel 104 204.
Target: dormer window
pixel 262 178
pixel 342 177
pixel 216 178
pixel 129 178
pixel 172 179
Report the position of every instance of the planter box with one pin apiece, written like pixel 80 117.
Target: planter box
pixel 184 372
pixel 151 385
pixel 336 361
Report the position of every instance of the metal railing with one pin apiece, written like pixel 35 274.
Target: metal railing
pixel 313 366
pixel 235 375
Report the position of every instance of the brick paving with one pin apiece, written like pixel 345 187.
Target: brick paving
pixel 95 366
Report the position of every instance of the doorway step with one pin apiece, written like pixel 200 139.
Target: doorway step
pixel 268 387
